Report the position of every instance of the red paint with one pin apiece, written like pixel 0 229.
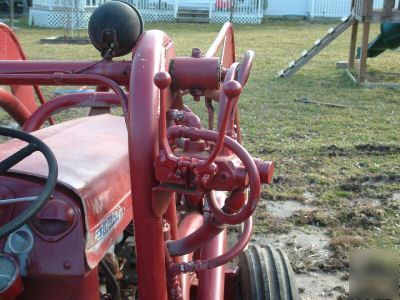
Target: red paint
pixel 12 50
pixel 193 241
pixel 211 263
pixel 36 120
pixel 189 224
pixel 13 106
pixel 190 73
pixel 153 52
pixel 225 42
pixel 211 282
pixel 117 71
pixel 47 274
pixel 66 79
pixel 248 162
pixel 91 181
pixel 223 4
pixel 111 168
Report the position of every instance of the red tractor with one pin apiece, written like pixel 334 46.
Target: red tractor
pixel 136 206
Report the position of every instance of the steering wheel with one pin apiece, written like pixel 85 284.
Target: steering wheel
pixel 34 144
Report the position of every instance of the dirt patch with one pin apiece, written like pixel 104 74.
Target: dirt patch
pixel 317 285
pixel 306 249
pixel 360 183
pixel 333 151
pixel 276 215
pixel 341 246
pixel 265 150
pixel 377 149
pixel 362 149
pixel 284 209
pixel 374 202
pixel 392 202
pixel 365 216
pixel 316 217
pixel 271 224
pixel 267 195
pixel 319 261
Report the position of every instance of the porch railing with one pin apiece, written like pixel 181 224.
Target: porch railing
pixel 237 11
pixel 81 4
pixel 142 5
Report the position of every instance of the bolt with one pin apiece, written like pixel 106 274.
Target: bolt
pixel 196 52
pixel 67 265
pixel 196 93
pixel 223 176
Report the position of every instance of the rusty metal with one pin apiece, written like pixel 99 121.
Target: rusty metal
pixel 117 71
pixel 190 73
pixel 181 182
pixel 212 281
pixel 36 120
pixel 226 43
pixel 12 50
pixel 189 224
pixel 220 260
pixel 13 106
pixel 252 171
pixel 91 181
pixel 153 52
pixel 66 79
pixel 196 239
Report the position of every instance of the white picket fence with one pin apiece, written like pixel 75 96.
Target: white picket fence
pixel 76 13
pixel 63 13
pixel 236 11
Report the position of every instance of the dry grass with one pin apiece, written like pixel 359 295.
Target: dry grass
pixel 299 137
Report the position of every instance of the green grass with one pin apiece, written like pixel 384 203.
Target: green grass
pixel 316 149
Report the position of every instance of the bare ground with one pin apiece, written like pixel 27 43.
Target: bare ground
pixel 337 182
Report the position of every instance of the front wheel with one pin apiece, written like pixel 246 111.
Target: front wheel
pixel 266 274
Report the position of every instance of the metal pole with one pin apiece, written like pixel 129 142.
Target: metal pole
pixel 11 3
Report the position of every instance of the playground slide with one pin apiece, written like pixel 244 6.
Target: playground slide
pixel 388 39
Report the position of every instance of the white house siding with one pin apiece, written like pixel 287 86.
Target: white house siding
pixel 59 13
pixel 329 8
pixel 313 8
pixel 287 7
pixel 335 8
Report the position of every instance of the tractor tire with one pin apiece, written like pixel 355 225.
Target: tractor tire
pixel 266 274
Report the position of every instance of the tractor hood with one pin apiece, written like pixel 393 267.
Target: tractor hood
pixel 92 156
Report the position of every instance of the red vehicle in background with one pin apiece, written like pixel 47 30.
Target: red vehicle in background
pixel 138 205
pixel 223 4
